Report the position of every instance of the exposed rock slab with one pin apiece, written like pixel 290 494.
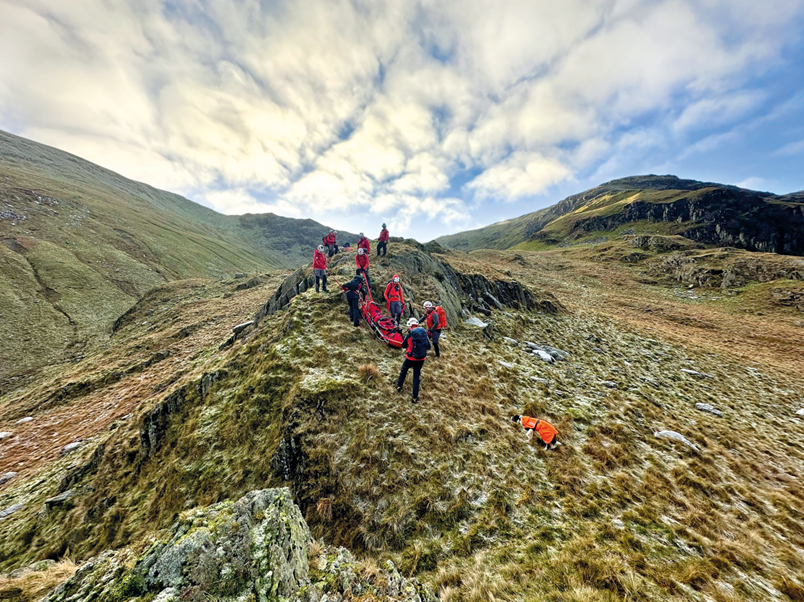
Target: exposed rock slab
pixel 673 435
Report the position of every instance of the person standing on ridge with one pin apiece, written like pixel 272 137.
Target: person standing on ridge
pixel 329 241
pixel 362 261
pixel 433 325
pixel 320 267
pixel 394 299
pixel 382 241
pixel 547 432
pixel 353 289
pixel 416 345
pixel 363 243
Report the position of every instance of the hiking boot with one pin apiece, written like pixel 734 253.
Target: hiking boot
pixel 326 290
pixel 399 389
pixel 415 400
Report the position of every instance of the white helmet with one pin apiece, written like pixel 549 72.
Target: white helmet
pixel 320 248
pixel 396 279
pixel 360 251
pixel 427 305
pixel 361 234
pixel 412 322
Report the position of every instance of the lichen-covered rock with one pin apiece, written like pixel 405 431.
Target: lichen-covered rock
pixel 251 549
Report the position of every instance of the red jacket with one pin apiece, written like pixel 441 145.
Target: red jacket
pixel 546 430
pixel 362 261
pixel 329 239
pixel 430 320
pixel 393 292
pixel 363 243
pixel 383 235
pixel 319 260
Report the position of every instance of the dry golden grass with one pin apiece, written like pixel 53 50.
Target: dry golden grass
pixel 34 585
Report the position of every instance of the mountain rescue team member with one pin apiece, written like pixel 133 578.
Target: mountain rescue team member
pixel 433 325
pixel 382 241
pixel 362 261
pixel 320 267
pixel 416 345
pixel 363 243
pixel 394 299
pixel 329 241
pixel 547 432
pixel 353 289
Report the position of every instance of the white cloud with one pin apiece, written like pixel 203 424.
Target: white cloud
pixel 379 108
pixel 788 150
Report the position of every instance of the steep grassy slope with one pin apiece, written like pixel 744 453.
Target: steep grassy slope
pixel 709 213
pixel 450 489
pixel 80 245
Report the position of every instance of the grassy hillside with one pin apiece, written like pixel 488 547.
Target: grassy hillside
pixel 80 245
pixel 710 213
pixel 450 489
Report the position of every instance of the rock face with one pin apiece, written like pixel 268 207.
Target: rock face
pixel 255 548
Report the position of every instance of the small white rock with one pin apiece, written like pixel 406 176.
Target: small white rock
pixel 544 356
pixel 24 420
pixel 800 412
pixel 5 435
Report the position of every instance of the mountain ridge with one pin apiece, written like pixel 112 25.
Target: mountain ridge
pixel 719 216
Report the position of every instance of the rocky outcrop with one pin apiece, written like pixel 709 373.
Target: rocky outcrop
pixel 155 423
pixel 253 549
pixel 425 271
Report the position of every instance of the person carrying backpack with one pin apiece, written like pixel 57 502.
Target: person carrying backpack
pixel 320 267
pixel 382 241
pixel 436 320
pixel 394 299
pixel 353 288
pixel 362 261
pixel 416 345
pixel 547 432
pixel 363 243
pixel 329 242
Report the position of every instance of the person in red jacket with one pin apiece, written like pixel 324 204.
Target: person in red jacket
pixel 433 325
pixel 547 432
pixel 329 242
pixel 382 241
pixel 363 243
pixel 320 267
pixel 362 260
pixel 394 299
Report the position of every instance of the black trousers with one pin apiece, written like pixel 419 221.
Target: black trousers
pixel 383 246
pixel 434 336
pixel 322 279
pixel 416 365
pixel 354 309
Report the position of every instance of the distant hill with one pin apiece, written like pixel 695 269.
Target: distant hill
pixel 81 244
pixel 702 211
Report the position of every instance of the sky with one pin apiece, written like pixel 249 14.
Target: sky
pixel 434 116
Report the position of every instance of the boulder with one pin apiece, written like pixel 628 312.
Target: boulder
pixel 544 356
pixel 5 435
pixel 676 437
pixel 471 322
pixel 696 373
pixel 6 477
pixel 609 383
pixel 241 327
pixel 70 447
pixel 254 548
pixel 9 511
pixel 60 501
pixel 24 420
pixel 705 407
pixel 510 340
pixel 800 412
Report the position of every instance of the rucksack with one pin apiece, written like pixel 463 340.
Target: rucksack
pixel 442 317
pixel 421 343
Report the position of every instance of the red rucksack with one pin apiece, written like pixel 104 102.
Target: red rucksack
pixel 442 317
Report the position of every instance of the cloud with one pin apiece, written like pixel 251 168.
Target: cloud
pixel 789 150
pixel 403 110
